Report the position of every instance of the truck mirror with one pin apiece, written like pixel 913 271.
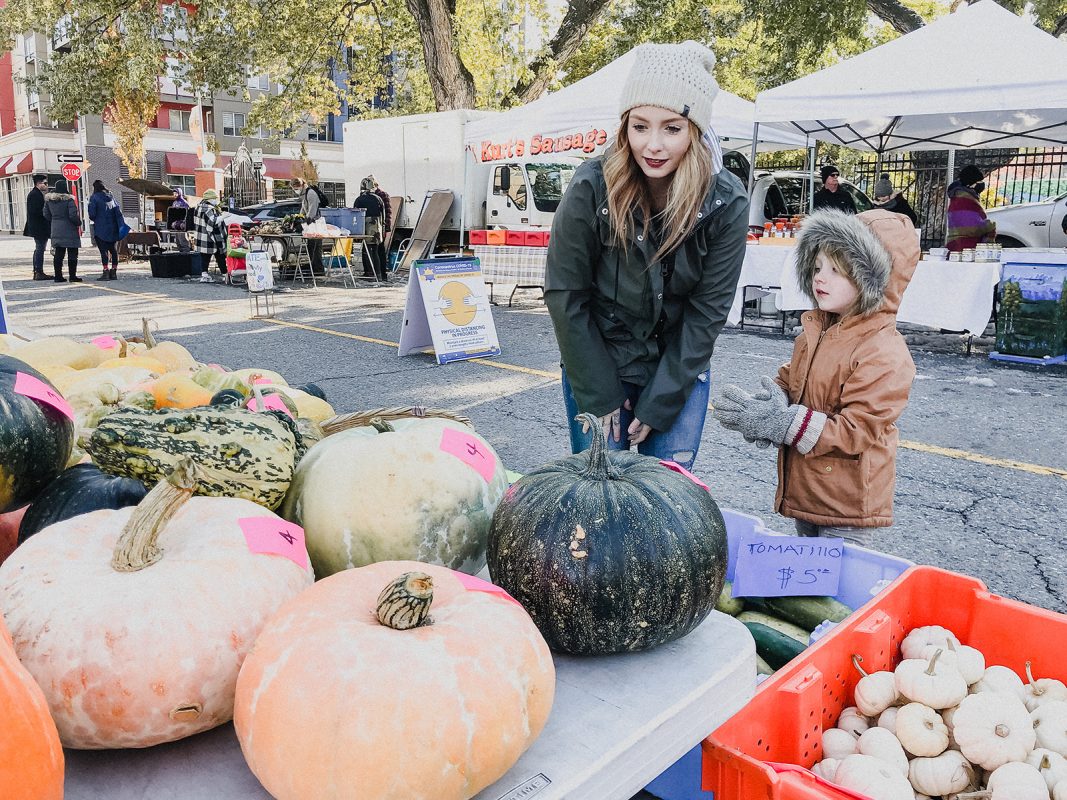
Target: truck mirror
pixel 505 179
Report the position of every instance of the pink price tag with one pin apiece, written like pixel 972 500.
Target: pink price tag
pixel 36 389
pixel 473 584
pixel 470 450
pixel 270 401
pixel 275 536
pixel 673 467
pixel 106 342
pixel 261 381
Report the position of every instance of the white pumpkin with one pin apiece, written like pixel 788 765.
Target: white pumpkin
pixel 1050 725
pixel 920 638
pixel 853 721
pixel 1052 766
pixel 875 691
pixel 838 744
pixel 969 661
pixel 874 778
pixel 944 774
pixel 1042 690
pixel 1059 791
pixel 827 768
pixel 1000 679
pixel 888 719
pixel 993 728
pixel 881 744
pixel 931 682
pixel 1017 781
pixel 921 731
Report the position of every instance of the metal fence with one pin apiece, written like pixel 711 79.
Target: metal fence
pixel 1012 176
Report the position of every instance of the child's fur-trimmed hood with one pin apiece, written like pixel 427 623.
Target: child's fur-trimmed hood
pixel 881 247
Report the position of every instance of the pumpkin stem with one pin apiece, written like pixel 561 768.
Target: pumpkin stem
pixel 856 663
pixel 1046 762
pixel 122 347
pixel 1002 730
pixel 381 425
pixel 149 339
pixel 1033 684
pixel 600 468
pixel 933 661
pixel 136 548
pixel 404 603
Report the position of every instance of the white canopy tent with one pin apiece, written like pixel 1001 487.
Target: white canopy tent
pixel 981 77
pixel 591 106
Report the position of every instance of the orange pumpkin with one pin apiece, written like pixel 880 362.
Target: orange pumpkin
pixel 332 704
pixel 135 621
pixel 173 390
pixel 31 758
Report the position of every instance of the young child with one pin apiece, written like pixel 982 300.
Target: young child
pixel 833 407
pixel 236 253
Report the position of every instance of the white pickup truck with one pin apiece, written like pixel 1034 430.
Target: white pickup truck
pixel 1032 224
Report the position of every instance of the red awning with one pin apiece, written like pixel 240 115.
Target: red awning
pixel 3 165
pixel 19 165
pixel 278 168
pixel 182 163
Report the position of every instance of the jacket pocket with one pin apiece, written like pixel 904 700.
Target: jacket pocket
pixel 828 485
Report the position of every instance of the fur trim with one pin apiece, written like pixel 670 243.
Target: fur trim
pixel 53 196
pixel 843 233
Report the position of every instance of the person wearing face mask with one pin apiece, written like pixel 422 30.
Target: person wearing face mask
pixel 643 262
pixel 966 221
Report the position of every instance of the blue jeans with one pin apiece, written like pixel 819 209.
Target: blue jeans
pixel 679 444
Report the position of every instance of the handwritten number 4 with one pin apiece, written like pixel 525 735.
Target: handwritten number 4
pixel 287 536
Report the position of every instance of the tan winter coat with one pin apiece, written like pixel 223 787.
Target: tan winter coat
pixel 859 372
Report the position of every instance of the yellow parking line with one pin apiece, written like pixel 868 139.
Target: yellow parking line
pixel 947 452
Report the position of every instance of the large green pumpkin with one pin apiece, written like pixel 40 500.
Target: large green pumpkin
pixel 35 439
pixel 609 551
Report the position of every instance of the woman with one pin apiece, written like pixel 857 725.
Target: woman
pixel 643 261
pixel 373 248
pixel 107 218
pixel 64 223
pixel 966 220
pixel 210 234
pixel 889 199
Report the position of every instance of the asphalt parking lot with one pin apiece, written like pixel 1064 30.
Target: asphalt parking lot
pixel 981 473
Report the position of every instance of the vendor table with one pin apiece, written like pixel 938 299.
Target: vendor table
pixel 949 295
pixel 522 266
pixel 617 722
pixel 294 253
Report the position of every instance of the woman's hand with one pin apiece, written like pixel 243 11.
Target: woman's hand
pixel 611 424
pixel 638 431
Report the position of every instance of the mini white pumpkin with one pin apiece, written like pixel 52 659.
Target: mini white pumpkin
pixel 1016 781
pixel 930 682
pixel 944 774
pixel 968 660
pixel 888 719
pixel 1052 766
pixel 1050 725
pixel 1000 679
pixel 920 638
pixel 1042 690
pixel 993 728
pixel 875 691
pixel 837 743
pixel 1059 791
pixel 853 721
pixel 921 731
pixel 874 778
pixel 948 716
pixel 881 744
pixel 827 768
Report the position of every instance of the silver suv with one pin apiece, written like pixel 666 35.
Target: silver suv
pixel 1032 224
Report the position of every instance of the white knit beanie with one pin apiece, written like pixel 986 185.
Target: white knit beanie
pixel 677 77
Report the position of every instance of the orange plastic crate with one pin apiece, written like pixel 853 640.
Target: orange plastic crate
pixel 478 237
pixel 516 238
pixel 785 719
pixel 496 237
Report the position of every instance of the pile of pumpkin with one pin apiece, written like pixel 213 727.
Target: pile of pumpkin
pixel 944 725
pixel 155 592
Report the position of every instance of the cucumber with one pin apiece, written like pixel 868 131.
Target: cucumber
pixel 773 646
pixel 788 628
pixel 807 612
pixel 727 603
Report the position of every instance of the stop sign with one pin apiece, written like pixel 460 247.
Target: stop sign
pixel 71 172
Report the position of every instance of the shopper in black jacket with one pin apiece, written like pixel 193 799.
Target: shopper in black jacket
pixel 887 198
pixel 831 195
pixel 36 225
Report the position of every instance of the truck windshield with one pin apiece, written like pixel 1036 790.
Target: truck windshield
pixel 549 182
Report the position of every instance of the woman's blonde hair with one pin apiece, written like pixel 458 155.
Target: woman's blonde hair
pixel 628 190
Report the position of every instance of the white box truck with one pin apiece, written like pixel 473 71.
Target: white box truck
pixel 413 155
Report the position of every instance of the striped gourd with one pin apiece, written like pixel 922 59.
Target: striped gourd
pixel 240 453
pixel 405 602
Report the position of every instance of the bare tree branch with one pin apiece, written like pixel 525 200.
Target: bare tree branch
pixel 902 18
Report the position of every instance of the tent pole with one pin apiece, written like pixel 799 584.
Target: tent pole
pixel 813 150
pixel 463 202
pixel 951 168
pixel 752 160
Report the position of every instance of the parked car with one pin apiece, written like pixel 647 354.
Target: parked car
pixel 1032 224
pixel 269 211
pixel 794 185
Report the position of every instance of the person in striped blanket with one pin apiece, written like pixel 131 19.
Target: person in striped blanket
pixel 967 223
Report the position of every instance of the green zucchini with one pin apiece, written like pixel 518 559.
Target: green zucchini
pixel 773 646
pixel 727 603
pixel 788 628
pixel 807 612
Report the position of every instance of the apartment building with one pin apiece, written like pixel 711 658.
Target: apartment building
pixel 255 167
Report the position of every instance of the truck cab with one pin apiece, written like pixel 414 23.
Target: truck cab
pixel 527 194
pixel 1041 224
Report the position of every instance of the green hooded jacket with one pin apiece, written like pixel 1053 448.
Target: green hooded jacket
pixel 605 303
